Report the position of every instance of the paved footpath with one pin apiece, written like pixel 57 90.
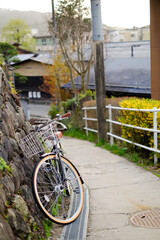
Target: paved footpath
pixel 121 194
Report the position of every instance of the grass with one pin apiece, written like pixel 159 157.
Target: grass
pixel 80 134
pixel 47 227
pixel 122 151
pixel 158 175
pixel 115 149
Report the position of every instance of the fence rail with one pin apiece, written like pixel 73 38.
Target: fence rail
pixel 111 122
pixel 89 119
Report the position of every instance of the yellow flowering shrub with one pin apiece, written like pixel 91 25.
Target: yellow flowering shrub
pixel 141 119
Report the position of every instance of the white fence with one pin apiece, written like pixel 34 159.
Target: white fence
pixel 111 122
pixel 89 119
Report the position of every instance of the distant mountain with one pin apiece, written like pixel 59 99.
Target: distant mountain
pixel 35 20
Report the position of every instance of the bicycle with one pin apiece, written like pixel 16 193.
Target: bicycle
pixel 56 183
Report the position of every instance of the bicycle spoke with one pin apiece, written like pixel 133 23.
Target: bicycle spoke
pixel 60 201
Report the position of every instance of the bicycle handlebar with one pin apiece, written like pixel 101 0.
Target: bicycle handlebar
pixel 58 117
pixel 66 115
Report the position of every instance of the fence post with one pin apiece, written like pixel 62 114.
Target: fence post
pixel 86 125
pixel 155 134
pixel 110 124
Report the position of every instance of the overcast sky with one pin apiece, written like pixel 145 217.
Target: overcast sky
pixel 121 13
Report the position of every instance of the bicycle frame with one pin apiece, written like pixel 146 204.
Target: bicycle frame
pixel 51 153
pixel 57 152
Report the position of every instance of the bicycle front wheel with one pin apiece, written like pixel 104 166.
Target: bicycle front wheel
pixel 61 202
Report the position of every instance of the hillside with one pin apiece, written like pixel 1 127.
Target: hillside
pixel 35 20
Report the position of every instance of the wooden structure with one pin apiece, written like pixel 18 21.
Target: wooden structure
pixel 155 48
pixel 31 66
pixel 97 37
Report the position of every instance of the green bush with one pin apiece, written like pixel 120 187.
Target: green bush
pixel 54 109
pixel 141 119
pixel 21 78
pixel 75 120
pixel 73 103
pixel 70 104
pixel 90 93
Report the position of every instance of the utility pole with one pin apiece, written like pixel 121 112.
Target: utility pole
pixel 97 46
pixel 54 28
pixel 53 15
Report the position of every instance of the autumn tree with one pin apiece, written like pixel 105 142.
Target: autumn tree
pixel 57 75
pixel 71 26
pixel 17 31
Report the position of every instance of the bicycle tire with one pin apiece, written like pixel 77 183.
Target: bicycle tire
pixel 61 203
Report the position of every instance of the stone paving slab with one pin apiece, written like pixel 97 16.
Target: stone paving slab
pixel 117 189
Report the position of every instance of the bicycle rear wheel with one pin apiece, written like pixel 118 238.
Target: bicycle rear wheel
pixel 61 203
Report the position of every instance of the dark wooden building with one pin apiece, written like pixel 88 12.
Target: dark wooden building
pixel 31 66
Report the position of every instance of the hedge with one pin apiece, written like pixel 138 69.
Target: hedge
pixel 141 119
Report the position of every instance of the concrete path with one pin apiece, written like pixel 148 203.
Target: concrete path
pixel 117 189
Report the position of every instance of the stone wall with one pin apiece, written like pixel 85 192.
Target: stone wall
pixel 19 216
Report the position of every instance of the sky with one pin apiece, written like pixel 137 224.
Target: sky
pixel 120 13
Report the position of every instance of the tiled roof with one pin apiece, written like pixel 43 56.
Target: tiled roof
pixel 127 68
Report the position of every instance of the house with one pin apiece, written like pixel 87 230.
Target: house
pixel 44 43
pixel 31 66
pixel 127 69
pixel 117 34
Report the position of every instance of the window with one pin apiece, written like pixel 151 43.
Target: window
pixel 38 94
pixel 133 35
pixel 28 68
pixel 44 42
pixel 34 94
pixel 30 94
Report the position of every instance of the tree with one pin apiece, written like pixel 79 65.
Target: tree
pixel 17 31
pixel 71 24
pixel 57 75
pixel 8 51
pixel 8 54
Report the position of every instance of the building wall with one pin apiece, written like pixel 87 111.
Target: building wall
pixel 146 33
pixel 32 68
pixel 126 35
pixel 44 41
pixel 44 44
